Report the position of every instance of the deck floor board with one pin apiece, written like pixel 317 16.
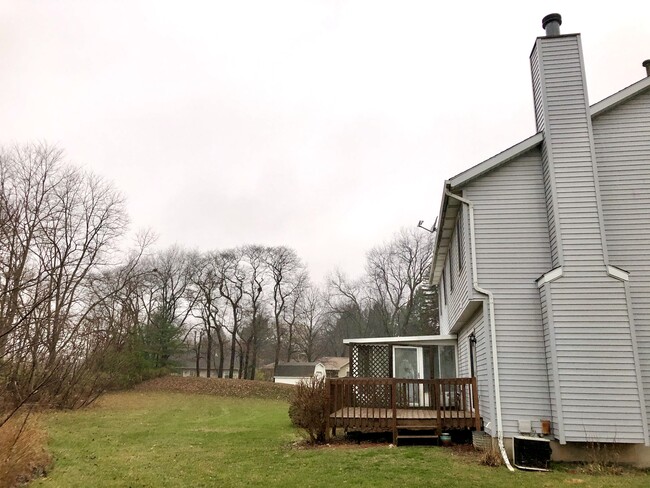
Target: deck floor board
pixel 402 413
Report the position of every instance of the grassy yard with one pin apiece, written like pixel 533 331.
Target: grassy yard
pixel 170 439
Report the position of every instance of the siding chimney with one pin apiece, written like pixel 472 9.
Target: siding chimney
pixel 552 23
pixel 646 65
pixel 585 304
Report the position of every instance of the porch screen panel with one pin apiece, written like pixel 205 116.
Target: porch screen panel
pixel 371 361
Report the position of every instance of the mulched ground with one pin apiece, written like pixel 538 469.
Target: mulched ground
pixel 219 386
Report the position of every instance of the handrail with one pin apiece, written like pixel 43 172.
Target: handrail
pixel 382 403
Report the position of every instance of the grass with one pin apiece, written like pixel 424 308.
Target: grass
pixel 149 439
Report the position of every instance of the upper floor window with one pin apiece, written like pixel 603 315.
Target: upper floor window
pixel 451 271
pixel 443 285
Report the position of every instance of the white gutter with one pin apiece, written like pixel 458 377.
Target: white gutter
pixel 493 333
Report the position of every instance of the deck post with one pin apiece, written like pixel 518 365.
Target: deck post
pixel 437 399
pixel 477 414
pixel 393 404
pixel 328 385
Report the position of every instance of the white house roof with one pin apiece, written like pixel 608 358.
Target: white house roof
pixel 333 362
pixel 420 340
pixel 296 370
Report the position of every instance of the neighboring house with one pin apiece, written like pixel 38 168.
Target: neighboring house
pixel 542 259
pixel 293 373
pixel 185 365
pixel 266 372
pixel 336 367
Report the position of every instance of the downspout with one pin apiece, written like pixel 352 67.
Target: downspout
pixel 493 334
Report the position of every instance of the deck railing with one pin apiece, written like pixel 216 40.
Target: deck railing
pixel 377 403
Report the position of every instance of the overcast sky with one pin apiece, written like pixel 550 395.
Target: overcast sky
pixel 322 125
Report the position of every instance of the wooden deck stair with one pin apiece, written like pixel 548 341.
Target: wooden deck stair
pixel 413 432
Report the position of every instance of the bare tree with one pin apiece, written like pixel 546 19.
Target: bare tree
pixel 231 279
pixel 311 326
pixel 395 270
pixel 207 309
pixel 58 226
pixel 288 278
pixel 168 301
pixel 255 257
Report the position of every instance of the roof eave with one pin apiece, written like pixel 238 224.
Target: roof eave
pixel 401 339
pixel 496 161
pixel 619 97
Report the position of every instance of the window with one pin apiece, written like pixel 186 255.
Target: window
pixel 451 271
pixel 444 361
pixel 443 285
pixel 459 238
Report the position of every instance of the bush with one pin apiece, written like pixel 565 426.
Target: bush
pixel 307 409
pixel 22 451
pixel 491 457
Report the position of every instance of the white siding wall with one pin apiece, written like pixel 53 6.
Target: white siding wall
pixel 483 365
pixel 588 328
pixel 569 152
pixel 513 250
pixel 459 298
pixel 622 139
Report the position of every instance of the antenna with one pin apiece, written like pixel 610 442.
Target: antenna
pixel 432 229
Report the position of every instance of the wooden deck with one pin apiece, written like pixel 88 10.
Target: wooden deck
pixel 393 404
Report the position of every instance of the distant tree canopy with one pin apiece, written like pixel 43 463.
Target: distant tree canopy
pixel 78 314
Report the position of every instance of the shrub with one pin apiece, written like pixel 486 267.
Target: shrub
pixel 307 408
pixel 22 451
pixel 491 457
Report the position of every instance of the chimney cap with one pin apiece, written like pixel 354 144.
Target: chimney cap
pixel 646 63
pixel 551 18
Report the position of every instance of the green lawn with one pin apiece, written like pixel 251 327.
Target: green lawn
pixel 171 439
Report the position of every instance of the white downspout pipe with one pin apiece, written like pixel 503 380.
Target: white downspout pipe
pixel 493 333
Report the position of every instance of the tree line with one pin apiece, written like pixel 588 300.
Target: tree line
pixel 79 313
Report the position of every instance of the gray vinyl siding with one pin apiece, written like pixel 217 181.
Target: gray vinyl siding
pixel 549 194
pixel 622 140
pixel 594 360
pixel 549 346
pixel 537 90
pixel 463 353
pixel 568 151
pixel 483 365
pixel 512 251
pixel 588 335
pixel 458 299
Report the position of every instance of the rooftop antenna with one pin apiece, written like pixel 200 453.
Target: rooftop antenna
pixel 432 229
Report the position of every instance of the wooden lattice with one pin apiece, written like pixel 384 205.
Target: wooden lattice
pixel 371 361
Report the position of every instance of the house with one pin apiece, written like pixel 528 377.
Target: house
pixel 335 367
pixel 184 364
pixel 293 373
pixel 542 259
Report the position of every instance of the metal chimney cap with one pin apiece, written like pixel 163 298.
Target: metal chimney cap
pixel 551 18
pixel 646 65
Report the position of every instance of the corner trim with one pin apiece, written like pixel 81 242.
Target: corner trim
pixel 550 276
pixel 618 273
